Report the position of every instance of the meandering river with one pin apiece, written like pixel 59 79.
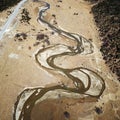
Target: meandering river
pixel 85 81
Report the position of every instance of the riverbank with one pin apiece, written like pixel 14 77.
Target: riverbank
pixel 107 17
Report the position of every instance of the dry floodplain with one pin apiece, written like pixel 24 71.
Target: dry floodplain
pixel 51 67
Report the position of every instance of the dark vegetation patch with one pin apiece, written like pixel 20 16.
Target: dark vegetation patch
pixel 25 16
pixel 75 14
pixel 29 47
pixel 4 4
pixel 33 29
pixel 20 36
pixel 42 38
pixel 47 41
pixel 57 5
pixel 67 114
pixel 54 21
pixel 52 33
pixel 107 17
pixel 98 110
pixel 6 75
pixel 54 15
pixel 35 0
pixel 36 44
pixel 59 0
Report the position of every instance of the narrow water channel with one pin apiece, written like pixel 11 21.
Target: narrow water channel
pixel 85 81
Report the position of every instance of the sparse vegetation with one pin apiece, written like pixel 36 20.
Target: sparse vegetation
pixel 20 36
pixel 25 16
pixel 40 36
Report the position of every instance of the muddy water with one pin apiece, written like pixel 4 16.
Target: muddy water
pixel 86 83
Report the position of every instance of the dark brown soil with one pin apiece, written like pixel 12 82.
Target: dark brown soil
pixel 107 17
